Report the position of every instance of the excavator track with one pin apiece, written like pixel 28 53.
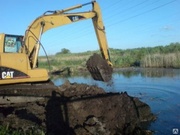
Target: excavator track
pixel 99 68
pixel 25 92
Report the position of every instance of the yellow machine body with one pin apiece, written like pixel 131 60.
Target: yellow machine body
pixel 15 66
pixel 19 54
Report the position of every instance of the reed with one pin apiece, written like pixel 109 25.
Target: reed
pixel 170 60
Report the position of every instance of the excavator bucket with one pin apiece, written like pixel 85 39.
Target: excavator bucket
pixel 99 68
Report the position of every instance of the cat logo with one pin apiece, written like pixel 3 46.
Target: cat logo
pixel 7 75
pixel 75 18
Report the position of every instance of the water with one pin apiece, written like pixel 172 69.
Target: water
pixel 159 88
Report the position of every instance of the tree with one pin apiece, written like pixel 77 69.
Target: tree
pixel 64 51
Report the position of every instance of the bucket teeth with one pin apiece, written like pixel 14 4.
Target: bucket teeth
pixel 99 68
pixel 95 73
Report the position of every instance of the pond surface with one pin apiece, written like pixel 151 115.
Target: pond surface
pixel 159 88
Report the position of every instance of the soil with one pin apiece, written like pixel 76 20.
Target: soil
pixel 78 109
pixel 99 68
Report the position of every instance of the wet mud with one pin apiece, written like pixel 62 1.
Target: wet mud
pixel 99 68
pixel 79 109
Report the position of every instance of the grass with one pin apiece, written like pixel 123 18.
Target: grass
pixel 159 57
pixel 5 130
pixel 73 60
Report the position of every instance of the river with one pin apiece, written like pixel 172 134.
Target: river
pixel 159 88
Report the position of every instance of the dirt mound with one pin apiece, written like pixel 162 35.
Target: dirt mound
pixel 79 109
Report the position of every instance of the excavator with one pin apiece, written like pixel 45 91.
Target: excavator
pixel 19 54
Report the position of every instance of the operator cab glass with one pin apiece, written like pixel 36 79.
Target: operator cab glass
pixel 12 43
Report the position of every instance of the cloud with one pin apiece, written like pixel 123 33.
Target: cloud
pixel 166 28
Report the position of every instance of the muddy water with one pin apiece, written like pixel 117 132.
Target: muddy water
pixel 159 88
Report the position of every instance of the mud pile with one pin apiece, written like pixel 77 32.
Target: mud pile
pixel 99 68
pixel 79 109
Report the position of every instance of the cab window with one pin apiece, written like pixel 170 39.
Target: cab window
pixel 12 44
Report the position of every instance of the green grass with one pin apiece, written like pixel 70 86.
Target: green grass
pixel 61 61
pixel 160 57
pixel 6 130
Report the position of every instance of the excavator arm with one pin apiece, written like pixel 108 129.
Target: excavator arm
pixel 100 68
pixel 53 19
pixel 100 33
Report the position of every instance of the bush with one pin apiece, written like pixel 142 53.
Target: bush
pixel 63 51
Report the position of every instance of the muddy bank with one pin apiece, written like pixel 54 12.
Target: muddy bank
pixel 79 109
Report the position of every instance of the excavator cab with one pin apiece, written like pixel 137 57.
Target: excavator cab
pixel 12 43
pixel 14 64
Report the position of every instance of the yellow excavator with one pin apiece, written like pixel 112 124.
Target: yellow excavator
pixel 19 54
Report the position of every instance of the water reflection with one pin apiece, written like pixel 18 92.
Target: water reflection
pixel 148 72
pixel 128 73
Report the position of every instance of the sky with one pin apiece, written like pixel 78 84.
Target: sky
pixel 128 23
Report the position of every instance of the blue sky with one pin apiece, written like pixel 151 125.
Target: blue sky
pixel 128 23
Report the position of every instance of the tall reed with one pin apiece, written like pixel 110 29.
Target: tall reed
pixel 170 60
